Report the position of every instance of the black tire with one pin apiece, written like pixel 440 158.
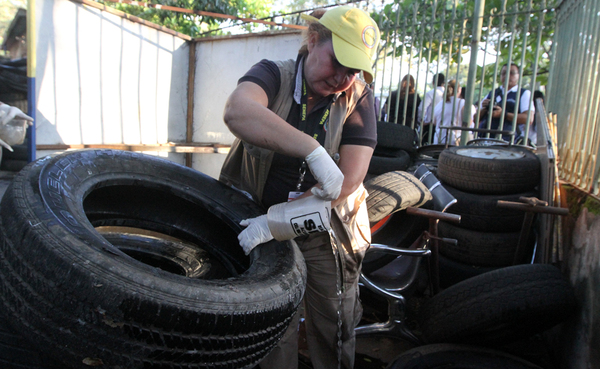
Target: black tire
pixel 452 272
pixel 480 212
pixel 389 195
pixel 389 153
pixel 396 137
pixel 428 155
pixel 447 356
pixel 382 164
pixel 499 306
pixel 430 152
pixel 84 301
pixel 19 152
pixel 17 353
pixel 483 248
pixel 489 170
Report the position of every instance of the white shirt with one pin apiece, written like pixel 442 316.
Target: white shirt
pixel 449 119
pixel 427 104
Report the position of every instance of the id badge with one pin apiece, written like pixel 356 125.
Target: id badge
pixel 294 195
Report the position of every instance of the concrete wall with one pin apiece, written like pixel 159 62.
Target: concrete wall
pixel 579 342
pixel 105 79
pixel 102 79
pixel 220 62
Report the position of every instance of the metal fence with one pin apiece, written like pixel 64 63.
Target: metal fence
pixel 422 39
pixel 573 92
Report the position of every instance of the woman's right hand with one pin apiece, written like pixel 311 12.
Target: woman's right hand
pixel 327 173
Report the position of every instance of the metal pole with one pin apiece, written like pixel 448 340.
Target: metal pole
pixel 31 66
pixel 477 24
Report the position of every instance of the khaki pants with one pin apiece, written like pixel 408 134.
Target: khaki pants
pixel 321 305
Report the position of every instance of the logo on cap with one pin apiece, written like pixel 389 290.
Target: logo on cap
pixel 369 36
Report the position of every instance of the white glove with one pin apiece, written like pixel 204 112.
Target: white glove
pixel 8 113
pixel 327 173
pixel 257 232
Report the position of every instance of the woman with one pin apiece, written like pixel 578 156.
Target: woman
pixel 450 113
pixel 407 85
pixel 312 113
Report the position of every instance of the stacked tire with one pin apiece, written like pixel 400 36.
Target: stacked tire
pixel 396 145
pixel 122 260
pixel 488 235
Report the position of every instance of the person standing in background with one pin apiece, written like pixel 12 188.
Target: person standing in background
pixel 406 86
pixel 510 118
pixel 450 113
pixel 425 110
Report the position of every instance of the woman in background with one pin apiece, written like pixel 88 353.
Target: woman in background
pixel 450 113
pixel 406 86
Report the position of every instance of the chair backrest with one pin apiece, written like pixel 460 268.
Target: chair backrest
pixel 442 199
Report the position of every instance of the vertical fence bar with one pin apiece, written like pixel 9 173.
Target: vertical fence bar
pixel 515 123
pixel 420 58
pixel 487 42
pixel 410 58
pixel 564 54
pixel 463 25
pixel 477 24
pixel 495 76
pixel 437 71
pixel 402 39
pixel 586 103
pixel 396 38
pixel 381 16
pixel 535 68
pixel 450 52
pixel 576 105
pixel 430 42
pixel 407 87
pixel 508 64
pixel 594 103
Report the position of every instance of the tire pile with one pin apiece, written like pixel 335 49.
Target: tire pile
pixel 492 300
pixel 488 235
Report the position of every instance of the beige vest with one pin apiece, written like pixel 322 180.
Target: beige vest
pixel 247 167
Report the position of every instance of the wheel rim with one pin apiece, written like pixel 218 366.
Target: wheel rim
pixel 490 153
pixel 164 252
pixel 486 142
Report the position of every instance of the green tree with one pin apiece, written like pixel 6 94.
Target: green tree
pixel 194 24
pixel 432 27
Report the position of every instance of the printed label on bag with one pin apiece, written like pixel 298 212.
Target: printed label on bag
pixel 308 223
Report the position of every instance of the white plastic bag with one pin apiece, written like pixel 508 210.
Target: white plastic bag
pixel 13 132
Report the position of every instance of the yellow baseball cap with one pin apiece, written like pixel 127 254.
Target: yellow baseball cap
pixel 355 37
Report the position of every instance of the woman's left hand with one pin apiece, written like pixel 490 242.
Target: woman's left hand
pixel 8 113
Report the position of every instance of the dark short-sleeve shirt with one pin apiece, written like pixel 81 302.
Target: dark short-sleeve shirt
pixel 359 129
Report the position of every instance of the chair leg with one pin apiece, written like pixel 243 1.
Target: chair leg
pixel 393 327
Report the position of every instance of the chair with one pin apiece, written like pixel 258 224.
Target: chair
pixel 395 280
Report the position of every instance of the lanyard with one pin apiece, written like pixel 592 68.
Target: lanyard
pixel 304 114
pixel 303 126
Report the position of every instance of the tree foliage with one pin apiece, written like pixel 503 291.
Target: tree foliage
pixel 194 24
pixel 441 30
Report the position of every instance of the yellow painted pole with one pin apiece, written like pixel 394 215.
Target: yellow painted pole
pixel 31 64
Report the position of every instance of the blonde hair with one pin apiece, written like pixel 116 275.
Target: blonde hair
pixel 322 32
